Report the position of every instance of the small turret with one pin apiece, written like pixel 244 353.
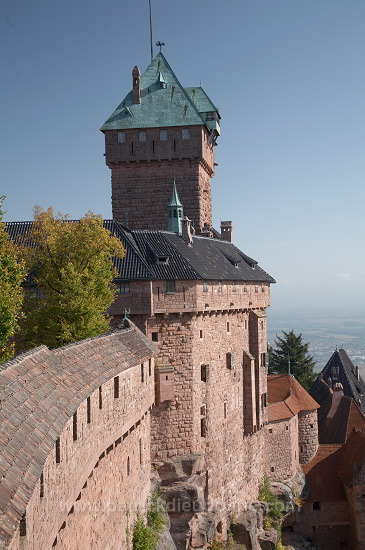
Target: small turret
pixel 175 212
pixel 136 85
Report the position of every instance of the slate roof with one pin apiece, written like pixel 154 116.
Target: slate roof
pixel 39 392
pixel 170 105
pixel 205 258
pixel 352 386
pixel 287 397
pixel 347 417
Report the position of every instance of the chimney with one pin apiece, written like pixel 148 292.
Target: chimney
pixel 226 231
pixel 336 399
pixel 136 85
pixel 186 230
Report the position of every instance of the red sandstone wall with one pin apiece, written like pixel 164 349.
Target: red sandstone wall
pixel 308 435
pixel 328 527
pixel 87 493
pixel 143 173
pixel 282 451
pixel 234 462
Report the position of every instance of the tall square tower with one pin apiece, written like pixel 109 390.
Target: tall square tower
pixel 161 132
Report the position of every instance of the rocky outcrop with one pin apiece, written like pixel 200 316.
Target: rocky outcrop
pixel 248 528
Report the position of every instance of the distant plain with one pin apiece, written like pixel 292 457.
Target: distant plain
pixel 324 331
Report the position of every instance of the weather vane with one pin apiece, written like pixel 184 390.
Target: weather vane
pixel 160 44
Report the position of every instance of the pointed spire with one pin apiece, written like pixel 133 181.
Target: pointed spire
pixel 175 212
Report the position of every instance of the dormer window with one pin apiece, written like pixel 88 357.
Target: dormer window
pixel 162 260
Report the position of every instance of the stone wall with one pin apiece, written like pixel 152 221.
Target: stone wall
pixel 207 413
pixel 143 174
pixel 282 451
pixel 98 474
pixel 308 435
pixel 328 526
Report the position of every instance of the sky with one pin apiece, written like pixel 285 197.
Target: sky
pixel 288 77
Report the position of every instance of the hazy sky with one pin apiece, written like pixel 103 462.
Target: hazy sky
pixel 288 77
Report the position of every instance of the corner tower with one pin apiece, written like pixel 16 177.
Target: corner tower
pixel 159 132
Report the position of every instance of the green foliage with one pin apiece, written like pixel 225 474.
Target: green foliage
pixel 156 517
pixel 276 507
pixel 72 268
pixel 144 537
pixel 146 534
pixel 12 273
pixel 292 348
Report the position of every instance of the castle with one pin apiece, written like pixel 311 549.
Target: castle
pixel 188 393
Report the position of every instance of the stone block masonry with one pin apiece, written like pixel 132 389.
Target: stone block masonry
pixel 83 491
pixel 143 175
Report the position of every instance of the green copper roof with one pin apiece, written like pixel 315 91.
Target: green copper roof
pixel 175 212
pixel 164 102
pixel 175 201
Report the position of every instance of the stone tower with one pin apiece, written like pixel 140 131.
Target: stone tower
pixel 161 132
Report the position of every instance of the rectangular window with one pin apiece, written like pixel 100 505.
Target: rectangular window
pixel 100 397
pixel 121 137
pixel 88 403
pixel 149 367
pixel 154 336
pixel 225 409
pixel 201 334
pixel 142 135
pixel 185 133
pixel 228 328
pixel 163 135
pixel 262 287
pixel 142 373
pixel 23 526
pixel 220 286
pixel 123 288
pixel 256 288
pixel 140 451
pixel 244 287
pixel 116 387
pixel 74 426
pixel 204 371
pixel 234 286
pixel 203 427
pixel 41 486
pixel 230 361
pixel 170 287
pixel 316 505
pixel 58 451
pixel 205 286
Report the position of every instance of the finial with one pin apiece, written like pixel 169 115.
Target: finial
pixel 126 323
pixel 160 44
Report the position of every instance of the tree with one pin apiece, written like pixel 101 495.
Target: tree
pixel 292 351
pixel 11 294
pixel 71 271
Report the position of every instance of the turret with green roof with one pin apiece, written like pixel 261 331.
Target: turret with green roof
pixel 160 131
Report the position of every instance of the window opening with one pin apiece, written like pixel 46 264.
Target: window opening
pixel 116 387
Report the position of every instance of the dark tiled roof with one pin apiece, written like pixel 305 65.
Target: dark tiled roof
pixel 352 386
pixel 345 417
pixel 287 397
pixel 323 475
pixel 205 258
pixel 39 392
